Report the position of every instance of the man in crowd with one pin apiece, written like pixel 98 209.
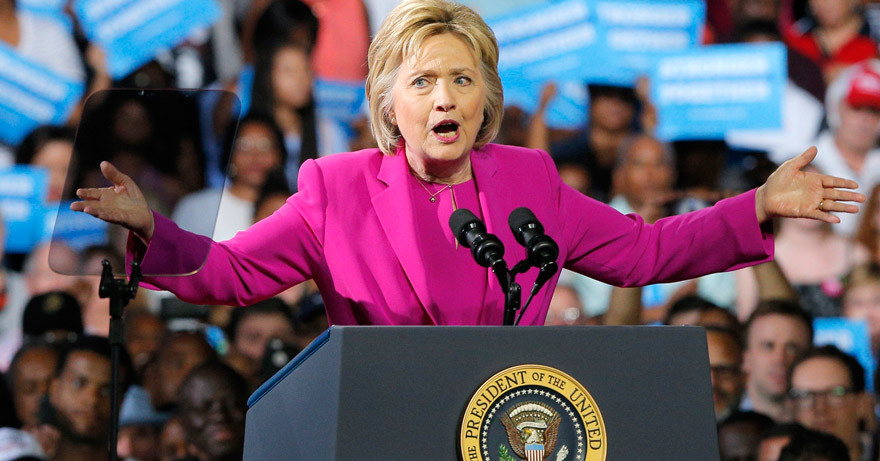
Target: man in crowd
pixel 179 354
pixel 775 334
pixel 212 405
pixel 828 395
pixel 725 364
pixel 739 435
pixel 79 400
pixel 31 371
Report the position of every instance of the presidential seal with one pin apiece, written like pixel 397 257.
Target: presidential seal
pixel 532 413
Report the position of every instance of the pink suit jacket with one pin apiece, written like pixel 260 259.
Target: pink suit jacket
pixel 350 228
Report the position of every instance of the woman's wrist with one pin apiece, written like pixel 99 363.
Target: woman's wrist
pixel 760 208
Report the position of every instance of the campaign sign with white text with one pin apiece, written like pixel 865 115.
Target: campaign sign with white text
pixel 634 32
pixel 703 93
pixel 22 194
pixel 31 95
pixel 850 336
pixel 549 42
pixel 133 31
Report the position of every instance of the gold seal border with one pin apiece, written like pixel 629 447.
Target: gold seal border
pixel 532 375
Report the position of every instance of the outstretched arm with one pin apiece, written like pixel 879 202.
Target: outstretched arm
pixel 626 251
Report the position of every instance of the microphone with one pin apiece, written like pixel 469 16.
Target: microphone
pixel 529 232
pixel 471 233
pixel 541 250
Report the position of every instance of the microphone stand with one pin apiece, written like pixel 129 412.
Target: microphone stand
pixel 120 292
pixel 513 292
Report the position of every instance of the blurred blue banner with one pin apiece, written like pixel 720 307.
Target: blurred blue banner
pixel 133 31
pixel 77 230
pixel 31 95
pixel 635 32
pixel 548 42
pixel 703 93
pixel 339 101
pixel 850 336
pixel 22 195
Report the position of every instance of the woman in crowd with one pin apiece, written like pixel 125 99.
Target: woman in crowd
pixel 257 149
pixel 283 90
pixel 370 227
pixel 835 37
pixel 815 260
pixel 49 147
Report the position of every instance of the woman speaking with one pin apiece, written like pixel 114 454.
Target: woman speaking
pixel 370 227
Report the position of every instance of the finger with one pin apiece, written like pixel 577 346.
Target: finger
pixel 805 158
pixel 90 193
pixel 833 181
pixel 824 216
pixel 115 176
pixel 86 206
pixel 843 195
pixel 830 205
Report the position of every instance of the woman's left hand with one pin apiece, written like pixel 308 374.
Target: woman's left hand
pixel 791 192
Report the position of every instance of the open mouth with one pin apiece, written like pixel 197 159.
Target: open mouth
pixel 446 130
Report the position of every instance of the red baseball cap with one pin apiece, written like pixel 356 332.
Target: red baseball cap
pixel 864 88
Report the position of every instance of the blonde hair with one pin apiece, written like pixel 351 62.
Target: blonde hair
pixel 402 33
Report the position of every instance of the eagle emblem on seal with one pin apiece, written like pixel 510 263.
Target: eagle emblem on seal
pixel 532 430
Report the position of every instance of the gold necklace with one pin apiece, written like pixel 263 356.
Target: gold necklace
pixel 433 196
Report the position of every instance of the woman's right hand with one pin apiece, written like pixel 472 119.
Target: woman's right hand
pixel 122 204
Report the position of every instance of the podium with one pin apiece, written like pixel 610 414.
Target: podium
pixel 424 393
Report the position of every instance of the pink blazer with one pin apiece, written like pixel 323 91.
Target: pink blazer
pixel 350 228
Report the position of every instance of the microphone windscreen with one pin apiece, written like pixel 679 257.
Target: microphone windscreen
pixel 459 219
pixel 520 217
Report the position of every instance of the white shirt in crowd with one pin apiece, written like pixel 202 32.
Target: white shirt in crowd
pixel 196 213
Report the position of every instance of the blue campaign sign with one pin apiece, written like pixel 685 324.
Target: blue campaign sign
pixel 31 95
pixel 850 336
pixel 22 196
pixel 340 101
pixel 567 110
pixel 634 32
pixel 703 93
pixel 78 230
pixel 133 31
pixel 552 40
pixel 556 41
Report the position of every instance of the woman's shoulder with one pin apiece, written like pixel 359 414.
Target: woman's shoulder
pixel 349 160
pixel 516 157
pixel 506 149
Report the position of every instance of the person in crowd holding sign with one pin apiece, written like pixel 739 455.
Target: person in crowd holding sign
pixel 43 41
pixel 371 227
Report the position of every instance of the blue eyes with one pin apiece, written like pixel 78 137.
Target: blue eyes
pixel 422 82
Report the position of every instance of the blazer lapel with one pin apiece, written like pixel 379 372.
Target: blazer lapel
pixel 394 208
